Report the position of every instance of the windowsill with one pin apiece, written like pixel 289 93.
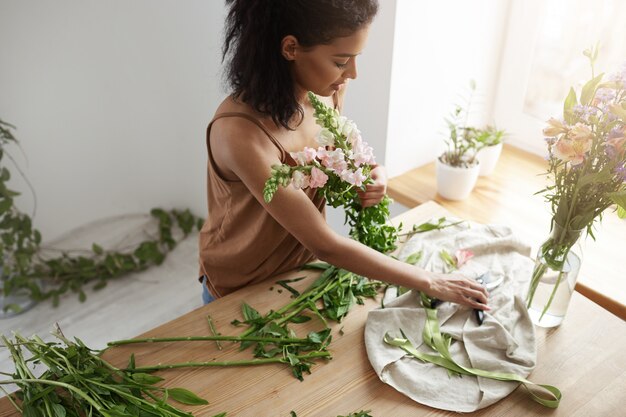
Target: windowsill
pixel 507 196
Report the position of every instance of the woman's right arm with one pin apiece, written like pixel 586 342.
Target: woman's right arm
pixel 245 152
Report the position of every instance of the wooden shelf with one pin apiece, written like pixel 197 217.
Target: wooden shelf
pixel 507 196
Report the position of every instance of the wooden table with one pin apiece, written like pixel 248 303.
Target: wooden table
pixel 507 197
pixel 583 357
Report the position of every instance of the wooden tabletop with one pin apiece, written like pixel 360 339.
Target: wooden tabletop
pixel 507 196
pixel 583 357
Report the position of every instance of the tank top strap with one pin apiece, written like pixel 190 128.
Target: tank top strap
pixel 254 120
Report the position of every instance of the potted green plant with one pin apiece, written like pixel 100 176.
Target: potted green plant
pixel 488 148
pixel 457 167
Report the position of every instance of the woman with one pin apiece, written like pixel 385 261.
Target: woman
pixel 276 51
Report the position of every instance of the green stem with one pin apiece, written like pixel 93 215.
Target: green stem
pixel 538 272
pixel 69 387
pixel 211 338
pixel 263 361
pixel 556 286
pixel 11 400
pixel 304 296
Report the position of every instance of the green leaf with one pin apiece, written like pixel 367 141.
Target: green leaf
pixel 570 102
pixel 220 415
pixel 131 361
pixel 447 258
pixel 283 283
pixel 589 90
pixel 414 258
pixel 619 198
pixel 148 379
pixel 185 396
pixel 97 249
pixel 5 205
pixel 299 319
pixel 59 410
pixel 621 212
pixel 249 314
pixel 318 337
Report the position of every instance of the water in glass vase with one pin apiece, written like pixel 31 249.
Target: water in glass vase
pixel 554 290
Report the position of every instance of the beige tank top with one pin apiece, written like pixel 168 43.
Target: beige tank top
pixel 240 242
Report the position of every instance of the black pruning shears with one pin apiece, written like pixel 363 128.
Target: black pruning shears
pixel 485 281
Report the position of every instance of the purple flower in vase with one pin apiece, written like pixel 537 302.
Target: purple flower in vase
pixel 621 172
pixel 584 112
pixel 604 95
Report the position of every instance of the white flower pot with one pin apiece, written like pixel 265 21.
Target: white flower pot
pixel 456 183
pixel 488 158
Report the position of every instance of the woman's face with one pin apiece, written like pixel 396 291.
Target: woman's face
pixel 324 69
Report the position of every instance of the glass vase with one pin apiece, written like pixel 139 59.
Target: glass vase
pixel 552 284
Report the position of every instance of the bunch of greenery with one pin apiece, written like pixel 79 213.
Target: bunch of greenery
pixel 25 269
pixel 77 382
pixel 271 337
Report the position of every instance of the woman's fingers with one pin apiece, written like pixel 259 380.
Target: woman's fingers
pixel 459 289
pixel 373 195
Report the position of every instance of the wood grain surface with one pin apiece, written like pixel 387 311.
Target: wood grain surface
pixel 583 357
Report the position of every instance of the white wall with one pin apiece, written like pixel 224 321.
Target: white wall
pixel 111 100
pixel 439 46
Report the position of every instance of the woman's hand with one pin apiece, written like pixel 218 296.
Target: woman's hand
pixel 458 289
pixel 375 192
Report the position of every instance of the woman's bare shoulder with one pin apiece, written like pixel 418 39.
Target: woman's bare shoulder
pixel 234 140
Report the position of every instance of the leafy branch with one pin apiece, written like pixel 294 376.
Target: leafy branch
pixel 329 297
pixel 26 271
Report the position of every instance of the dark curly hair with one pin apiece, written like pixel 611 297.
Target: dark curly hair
pixel 256 70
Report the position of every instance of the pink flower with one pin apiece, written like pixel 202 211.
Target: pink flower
pixel 573 146
pixel 300 180
pixel 318 178
pixel 555 127
pixel 580 132
pixel 462 255
pixel 355 178
pixel 304 157
pixel 362 153
pixel 334 160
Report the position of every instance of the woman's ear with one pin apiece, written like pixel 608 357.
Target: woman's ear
pixel 288 47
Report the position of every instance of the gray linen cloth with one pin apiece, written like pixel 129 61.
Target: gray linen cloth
pixel 505 342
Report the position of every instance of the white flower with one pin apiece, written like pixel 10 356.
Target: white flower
pixel 349 129
pixel 326 137
pixel 299 180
